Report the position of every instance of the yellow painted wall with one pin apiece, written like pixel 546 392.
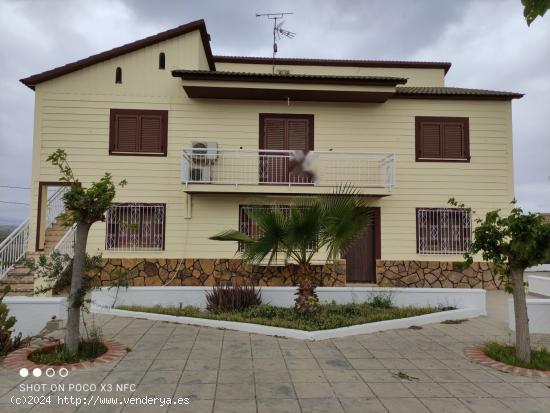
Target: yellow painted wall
pixel 416 77
pixel 72 112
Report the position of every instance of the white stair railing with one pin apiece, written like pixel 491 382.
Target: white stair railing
pixel 65 246
pixel 14 247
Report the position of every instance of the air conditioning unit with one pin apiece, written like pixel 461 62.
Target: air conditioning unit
pixel 201 150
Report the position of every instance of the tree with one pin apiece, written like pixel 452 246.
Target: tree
pixel 513 243
pixel 83 207
pixel 328 223
pixel 534 8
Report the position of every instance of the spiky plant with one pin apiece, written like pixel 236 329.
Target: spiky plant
pixel 328 223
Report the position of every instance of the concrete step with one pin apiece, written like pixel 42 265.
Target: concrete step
pixel 27 280
pixel 19 287
pixel 19 271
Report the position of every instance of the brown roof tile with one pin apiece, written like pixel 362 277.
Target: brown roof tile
pixel 453 93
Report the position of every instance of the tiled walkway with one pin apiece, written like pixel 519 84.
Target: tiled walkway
pixel 224 371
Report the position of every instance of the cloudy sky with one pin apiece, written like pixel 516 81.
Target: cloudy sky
pixel 488 43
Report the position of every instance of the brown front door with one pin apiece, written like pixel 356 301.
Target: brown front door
pixel 283 132
pixel 361 257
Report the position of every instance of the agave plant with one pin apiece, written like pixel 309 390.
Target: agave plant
pixel 327 223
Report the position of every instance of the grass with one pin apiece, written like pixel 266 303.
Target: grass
pixel 87 350
pixel 330 315
pixel 540 359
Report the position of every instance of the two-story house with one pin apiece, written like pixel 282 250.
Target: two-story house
pixel 201 138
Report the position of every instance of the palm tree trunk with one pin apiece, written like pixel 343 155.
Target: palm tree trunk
pixel 76 298
pixel 523 340
pixel 306 298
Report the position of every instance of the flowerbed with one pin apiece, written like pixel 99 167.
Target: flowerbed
pixel 330 316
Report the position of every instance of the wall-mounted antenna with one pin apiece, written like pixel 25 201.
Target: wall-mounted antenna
pixel 278 30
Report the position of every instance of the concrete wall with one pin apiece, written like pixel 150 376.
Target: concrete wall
pixel 33 313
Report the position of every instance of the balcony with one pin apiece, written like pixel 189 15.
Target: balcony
pixel 250 171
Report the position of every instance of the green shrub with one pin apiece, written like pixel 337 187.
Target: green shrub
pixel 232 298
pixel 381 300
pixel 7 342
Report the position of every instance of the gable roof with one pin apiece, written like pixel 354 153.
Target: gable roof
pixel 333 62
pixel 200 25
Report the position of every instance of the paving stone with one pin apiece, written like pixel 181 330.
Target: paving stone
pixel 202 364
pixel 275 391
pixel 236 364
pixel 485 405
pixel 362 405
pixel 533 389
pixel 313 391
pixel 278 406
pixel 335 376
pixel 198 377
pixel 397 363
pixel 320 405
pixel 307 376
pixel 446 376
pixel 236 376
pixel 301 363
pixel 464 390
pixel 196 391
pixel 427 389
pixel 479 376
pixel 234 391
pixel 334 364
pixel 392 390
pixel 351 390
pixel 404 405
pixel 366 364
pixel 161 377
pixel 377 376
pixel 195 406
pixel 524 405
pixel 445 405
pixel 271 376
pixel 234 406
pixel 501 390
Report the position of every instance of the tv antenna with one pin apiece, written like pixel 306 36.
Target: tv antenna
pixel 278 30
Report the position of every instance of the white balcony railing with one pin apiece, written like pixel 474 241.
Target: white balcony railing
pixel 276 167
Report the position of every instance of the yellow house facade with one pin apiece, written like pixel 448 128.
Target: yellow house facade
pixel 200 138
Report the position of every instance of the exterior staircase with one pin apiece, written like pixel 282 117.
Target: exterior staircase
pixel 20 278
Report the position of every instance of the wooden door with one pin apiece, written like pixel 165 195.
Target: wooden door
pixel 283 132
pixel 361 257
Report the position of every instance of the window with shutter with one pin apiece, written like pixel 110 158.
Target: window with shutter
pixel 442 139
pixel 138 132
pixel 283 132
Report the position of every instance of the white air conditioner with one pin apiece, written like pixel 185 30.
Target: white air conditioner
pixel 201 150
pixel 191 172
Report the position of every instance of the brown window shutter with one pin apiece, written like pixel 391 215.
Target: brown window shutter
pixel 297 132
pixel 151 133
pixel 431 140
pixel 126 132
pixel 138 132
pixel 274 134
pixel 442 139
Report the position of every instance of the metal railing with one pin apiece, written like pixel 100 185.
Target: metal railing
pixel 55 206
pixel 65 246
pixel 443 230
pixel 14 247
pixel 275 167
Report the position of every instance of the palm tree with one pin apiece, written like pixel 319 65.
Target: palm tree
pixel 328 223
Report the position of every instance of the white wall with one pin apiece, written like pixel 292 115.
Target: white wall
pixel 539 285
pixel 104 298
pixel 538 311
pixel 32 313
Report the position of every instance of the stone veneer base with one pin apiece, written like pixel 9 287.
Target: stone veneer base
pixel 20 358
pixel 476 354
pixel 208 272
pixel 438 274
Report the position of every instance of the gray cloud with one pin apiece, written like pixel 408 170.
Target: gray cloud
pixel 488 42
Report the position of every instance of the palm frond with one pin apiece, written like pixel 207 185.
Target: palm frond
pixel 232 235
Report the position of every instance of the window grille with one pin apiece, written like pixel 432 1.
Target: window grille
pixel 443 230
pixel 135 227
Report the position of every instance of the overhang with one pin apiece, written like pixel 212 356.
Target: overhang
pixel 270 86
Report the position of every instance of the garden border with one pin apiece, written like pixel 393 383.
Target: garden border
pixel 367 328
pixel 19 358
pixel 476 354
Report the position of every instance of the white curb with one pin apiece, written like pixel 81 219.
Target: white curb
pixel 462 313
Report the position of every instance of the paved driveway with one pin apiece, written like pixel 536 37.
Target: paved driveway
pixel 224 371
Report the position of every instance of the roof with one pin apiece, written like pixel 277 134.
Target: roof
pixel 454 93
pixel 333 62
pixel 200 25
pixel 287 78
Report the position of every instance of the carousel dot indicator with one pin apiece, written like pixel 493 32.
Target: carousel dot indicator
pixel 23 372
pixel 36 372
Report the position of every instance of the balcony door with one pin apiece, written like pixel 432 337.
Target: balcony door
pixel 280 133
